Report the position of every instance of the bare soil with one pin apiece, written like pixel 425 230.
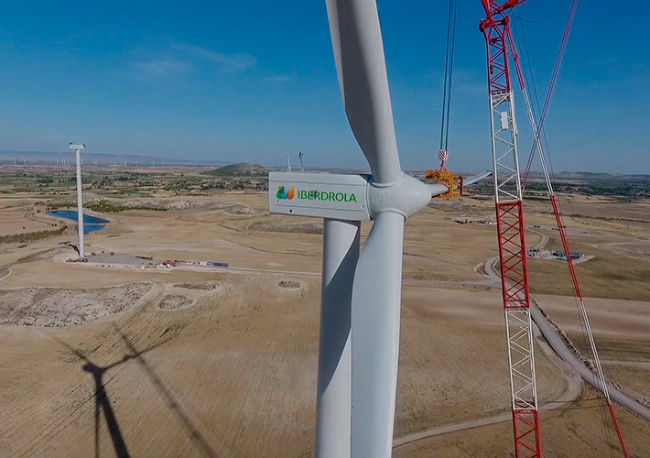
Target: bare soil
pixel 205 286
pixel 584 431
pixel 234 375
pixel 174 302
pixel 56 307
pixel 289 284
pixel 305 228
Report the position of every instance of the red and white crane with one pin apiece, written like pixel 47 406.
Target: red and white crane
pixel 510 225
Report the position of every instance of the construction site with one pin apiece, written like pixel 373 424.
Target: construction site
pixel 194 363
pixel 187 311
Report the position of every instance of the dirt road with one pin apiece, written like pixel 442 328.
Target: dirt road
pixel 552 337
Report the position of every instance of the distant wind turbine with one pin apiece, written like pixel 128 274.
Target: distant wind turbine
pixel 80 215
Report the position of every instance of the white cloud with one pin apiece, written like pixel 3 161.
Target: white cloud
pixel 180 59
pixel 226 62
pixel 161 69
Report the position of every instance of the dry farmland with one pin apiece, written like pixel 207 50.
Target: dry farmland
pixel 109 358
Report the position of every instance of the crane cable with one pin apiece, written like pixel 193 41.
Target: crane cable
pixel 538 130
pixel 551 87
pixel 449 69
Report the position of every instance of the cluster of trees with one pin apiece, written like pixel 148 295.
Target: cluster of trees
pixel 227 185
pixel 31 236
pixel 599 188
pixel 592 187
pixel 105 206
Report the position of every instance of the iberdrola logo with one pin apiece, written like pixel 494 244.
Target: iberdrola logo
pixel 285 195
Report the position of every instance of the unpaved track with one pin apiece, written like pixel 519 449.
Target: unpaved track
pixel 572 369
pixel 572 393
pixel 486 282
pixel 554 340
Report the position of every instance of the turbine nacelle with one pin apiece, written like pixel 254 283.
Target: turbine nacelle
pixel 350 197
pixel 346 197
pixel 80 147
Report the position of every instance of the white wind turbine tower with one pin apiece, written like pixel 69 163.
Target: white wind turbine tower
pixel 361 289
pixel 80 215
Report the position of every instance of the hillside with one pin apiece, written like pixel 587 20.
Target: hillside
pixel 240 169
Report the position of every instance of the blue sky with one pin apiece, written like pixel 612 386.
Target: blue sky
pixel 251 81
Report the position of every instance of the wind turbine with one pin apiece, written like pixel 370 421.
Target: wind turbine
pixel 361 289
pixel 80 215
pixel 300 156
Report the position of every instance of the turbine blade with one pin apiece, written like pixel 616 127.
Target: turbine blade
pixel 437 189
pixel 473 179
pixel 361 68
pixel 376 296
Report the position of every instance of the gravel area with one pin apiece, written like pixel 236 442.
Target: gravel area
pixel 51 307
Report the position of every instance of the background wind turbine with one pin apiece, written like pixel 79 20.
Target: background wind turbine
pixel 361 289
pixel 80 215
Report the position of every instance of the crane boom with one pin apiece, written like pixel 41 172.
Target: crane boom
pixel 537 147
pixel 509 205
pixel 493 8
pixel 510 226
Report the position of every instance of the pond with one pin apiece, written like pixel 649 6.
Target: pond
pixel 91 223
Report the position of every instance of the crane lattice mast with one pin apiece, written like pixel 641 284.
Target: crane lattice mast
pixel 510 225
pixel 538 148
pixel 514 274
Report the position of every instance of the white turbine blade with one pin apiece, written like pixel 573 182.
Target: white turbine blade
pixel 471 180
pixel 437 189
pixel 359 54
pixel 376 296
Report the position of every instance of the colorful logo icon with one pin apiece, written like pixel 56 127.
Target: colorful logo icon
pixel 285 195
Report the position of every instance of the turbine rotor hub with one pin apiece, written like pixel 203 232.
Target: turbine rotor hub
pixel 407 197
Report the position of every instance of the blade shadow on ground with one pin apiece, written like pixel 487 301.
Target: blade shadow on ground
pixel 102 400
pixel 170 401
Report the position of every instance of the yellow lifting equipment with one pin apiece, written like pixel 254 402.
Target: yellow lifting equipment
pixel 445 177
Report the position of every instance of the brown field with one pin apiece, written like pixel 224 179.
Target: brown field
pixel 20 220
pixel 238 371
pixel 223 364
pixel 633 375
pixel 608 275
pixel 583 431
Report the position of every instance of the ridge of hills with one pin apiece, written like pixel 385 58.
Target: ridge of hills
pixel 226 168
pixel 240 169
